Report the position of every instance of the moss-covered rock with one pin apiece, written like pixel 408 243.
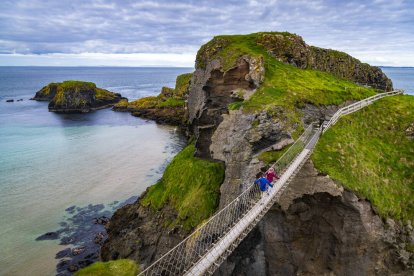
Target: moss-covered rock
pixel 76 97
pixel 168 107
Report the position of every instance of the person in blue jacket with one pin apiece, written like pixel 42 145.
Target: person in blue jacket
pixel 263 184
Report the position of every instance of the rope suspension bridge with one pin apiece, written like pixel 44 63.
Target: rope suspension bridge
pixel 209 245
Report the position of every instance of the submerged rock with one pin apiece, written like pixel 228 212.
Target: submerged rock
pixel 76 97
pixel 49 236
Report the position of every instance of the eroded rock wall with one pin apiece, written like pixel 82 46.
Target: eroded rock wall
pixel 212 90
pixel 293 50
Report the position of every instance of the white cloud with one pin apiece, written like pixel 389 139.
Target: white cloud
pixel 179 27
pixel 99 59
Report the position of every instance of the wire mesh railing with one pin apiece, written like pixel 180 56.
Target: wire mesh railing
pixel 189 251
pixel 357 106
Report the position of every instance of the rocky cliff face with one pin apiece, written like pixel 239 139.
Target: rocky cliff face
pixel 212 90
pixel 294 51
pixel 76 97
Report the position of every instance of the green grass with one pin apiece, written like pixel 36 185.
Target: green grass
pixel 189 184
pixel 77 84
pixel 104 95
pixel 111 268
pixel 369 153
pixel 270 157
pixel 285 87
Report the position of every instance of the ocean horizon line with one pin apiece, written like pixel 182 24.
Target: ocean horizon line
pixel 95 66
pixel 143 66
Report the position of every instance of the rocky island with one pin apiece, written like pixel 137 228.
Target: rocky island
pixel 350 208
pixel 76 97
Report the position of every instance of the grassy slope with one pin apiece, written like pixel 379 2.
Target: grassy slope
pixel 111 268
pixel 191 185
pixel 369 153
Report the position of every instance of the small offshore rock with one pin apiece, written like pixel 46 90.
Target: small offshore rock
pixel 66 240
pixel 78 250
pixel 48 236
pixel 63 253
pixel 99 238
pixel 73 268
pixel 70 209
pixel 101 220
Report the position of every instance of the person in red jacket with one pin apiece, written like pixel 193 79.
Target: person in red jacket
pixel 271 175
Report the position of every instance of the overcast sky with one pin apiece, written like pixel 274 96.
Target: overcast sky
pixel 169 33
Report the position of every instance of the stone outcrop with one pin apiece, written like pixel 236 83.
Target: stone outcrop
pixel 320 228
pixel 410 131
pixel 212 90
pixel 76 97
pixel 293 50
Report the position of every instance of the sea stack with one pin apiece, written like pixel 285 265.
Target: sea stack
pixel 76 97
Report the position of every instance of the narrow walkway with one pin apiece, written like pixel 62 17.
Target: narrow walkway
pixel 209 245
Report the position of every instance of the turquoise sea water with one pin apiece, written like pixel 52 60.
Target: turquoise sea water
pixel 49 162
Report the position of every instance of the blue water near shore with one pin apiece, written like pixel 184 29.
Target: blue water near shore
pixel 402 78
pixel 49 162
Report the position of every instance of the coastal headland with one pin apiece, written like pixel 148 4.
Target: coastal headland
pixel 349 209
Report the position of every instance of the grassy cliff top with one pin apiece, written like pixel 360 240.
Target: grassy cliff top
pixel 285 87
pixel 370 153
pixel 190 185
pixel 76 84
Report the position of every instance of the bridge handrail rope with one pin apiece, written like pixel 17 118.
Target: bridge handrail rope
pixel 358 105
pixel 204 249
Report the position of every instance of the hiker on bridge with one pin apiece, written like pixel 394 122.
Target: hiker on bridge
pixel 271 175
pixel 263 184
